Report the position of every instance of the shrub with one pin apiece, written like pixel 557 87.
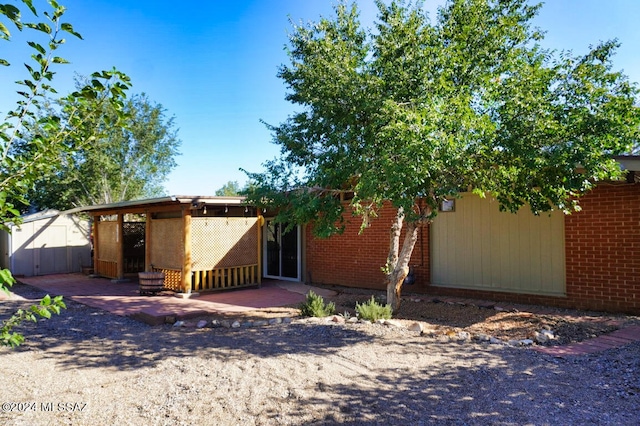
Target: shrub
pixel 373 311
pixel 314 306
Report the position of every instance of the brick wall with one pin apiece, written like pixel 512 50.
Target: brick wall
pixel 603 250
pixel 355 260
pixel 602 244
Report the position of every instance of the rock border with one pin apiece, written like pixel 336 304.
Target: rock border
pixel 412 326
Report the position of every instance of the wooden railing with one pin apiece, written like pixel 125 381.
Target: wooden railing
pixel 224 278
pixel 214 279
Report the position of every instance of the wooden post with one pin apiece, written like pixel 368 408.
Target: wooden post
pixel 147 241
pixel 94 226
pixel 120 247
pixel 260 222
pixel 186 243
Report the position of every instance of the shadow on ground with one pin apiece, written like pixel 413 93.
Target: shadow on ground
pixel 414 381
pixel 123 343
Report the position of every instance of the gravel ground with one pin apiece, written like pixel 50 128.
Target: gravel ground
pixel 89 367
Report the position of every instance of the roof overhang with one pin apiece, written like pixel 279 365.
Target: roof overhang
pixel 194 201
pixel 629 162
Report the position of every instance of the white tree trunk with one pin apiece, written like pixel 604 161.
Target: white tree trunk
pixel 398 259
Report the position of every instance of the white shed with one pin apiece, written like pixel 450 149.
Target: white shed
pixel 49 242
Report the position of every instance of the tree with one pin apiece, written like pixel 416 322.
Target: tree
pixel 23 160
pixel 417 112
pixel 229 189
pixel 126 162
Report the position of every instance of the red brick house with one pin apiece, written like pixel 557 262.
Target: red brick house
pixel 587 260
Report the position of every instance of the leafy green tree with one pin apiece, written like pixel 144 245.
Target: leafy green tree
pixel 229 189
pixel 32 143
pixel 126 162
pixel 418 111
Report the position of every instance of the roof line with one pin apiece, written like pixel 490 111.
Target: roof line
pixel 178 199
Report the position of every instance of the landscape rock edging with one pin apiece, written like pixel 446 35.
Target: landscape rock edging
pixel 539 337
pixel 337 320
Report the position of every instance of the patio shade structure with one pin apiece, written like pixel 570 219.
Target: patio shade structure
pixel 200 243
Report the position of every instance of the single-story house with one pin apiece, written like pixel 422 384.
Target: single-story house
pixel 48 242
pixel 587 260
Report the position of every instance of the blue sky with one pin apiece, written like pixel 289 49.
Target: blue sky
pixel 212 64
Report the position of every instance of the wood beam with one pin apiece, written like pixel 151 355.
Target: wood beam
pixel 186 243
pixel 120 247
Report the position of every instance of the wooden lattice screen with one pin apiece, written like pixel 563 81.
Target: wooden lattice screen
pixel 172 278
pixel 224 252
pixel 107 241
pixel 107 249
pixel 223 242
pixel 167 247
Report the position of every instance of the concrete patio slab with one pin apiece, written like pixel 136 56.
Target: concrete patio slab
pixel 123 298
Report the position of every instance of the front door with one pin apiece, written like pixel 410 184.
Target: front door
pixel 281 251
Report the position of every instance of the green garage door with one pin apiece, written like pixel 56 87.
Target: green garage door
pixel 475 246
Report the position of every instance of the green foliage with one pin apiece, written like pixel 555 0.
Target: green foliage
pixel 229 189
pixel 44 309
pixel 423 109
pixel 418 110
pixel 314 306
pixel 372 310
pixel 6 280
pixel 124 162
pixel 35 139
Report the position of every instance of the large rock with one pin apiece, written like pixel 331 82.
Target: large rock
pixel 464 336
pixel 415 326
pixel 543 336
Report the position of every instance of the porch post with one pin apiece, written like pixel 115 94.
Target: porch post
pixel 186 258
pixel 260 222
pixel 120 247
pixel 147 241
pixel 95 238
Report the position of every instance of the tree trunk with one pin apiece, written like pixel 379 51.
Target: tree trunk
pixel 398 259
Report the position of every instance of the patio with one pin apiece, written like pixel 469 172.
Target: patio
pixel 123 298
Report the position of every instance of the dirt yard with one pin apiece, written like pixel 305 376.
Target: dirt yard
pixel 89 367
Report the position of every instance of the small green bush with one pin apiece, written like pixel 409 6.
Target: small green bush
pixel 372 310
pixel 314 306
